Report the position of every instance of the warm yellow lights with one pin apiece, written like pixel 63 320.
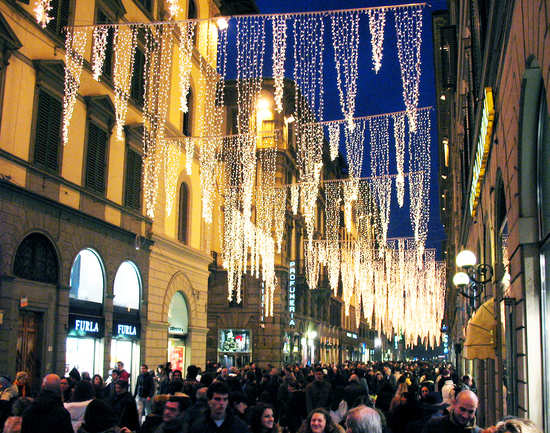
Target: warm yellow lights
pixel 465 259
pixel 42 9
pixel 461 279
pixel 222 23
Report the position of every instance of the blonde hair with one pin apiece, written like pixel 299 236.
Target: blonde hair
pixel 517 425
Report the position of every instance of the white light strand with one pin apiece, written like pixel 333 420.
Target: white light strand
pixel 173 8
pixel 332 229
pixel 75 47
pixel 345 41
pixel 279 53
pixel 125 42
pixel 354 140
pixel 171 153
pixel 377 23
pixel 189 153
pixel 334 139
pixel 408 28
pixel 99 48
pixel 42 9
pixel 185 54
pixel 294 197
pixel 399 138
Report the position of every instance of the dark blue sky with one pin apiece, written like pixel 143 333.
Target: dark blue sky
pixel 376 93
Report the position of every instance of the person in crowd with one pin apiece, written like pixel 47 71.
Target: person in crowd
pixel 154 419
pixel 425 389
pixel 443 377
pixel 468 383
pixel 363 419
pixel 22 381
pixel 176 384
pixel 144 391
pixel 318 392
pixel 46 414
pixel 85 376
pixel 172 415
pixel 191 384
pixel 99 417
pixel 319 421
pixel 461 416
pixel 448 391
pixel 384 397
pixel 75 375
pixel 109 391
pixel 516 425
pixel 239 403
pixel 431 406
pixel 82 396
pixel 200 405
pixel 389 377
pixel 8 390
pixel 354 391
pixel 66 389
pixel 398 398
pixel 262 419
pixel 99 386
pixel 13 423
pixel 217 419
pixel 124 406
pixel 122 373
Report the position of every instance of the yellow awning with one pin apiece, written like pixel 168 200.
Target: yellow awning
pixel 480 334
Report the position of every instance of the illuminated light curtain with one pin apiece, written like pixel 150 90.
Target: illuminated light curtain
pixel 185 54
pixel 377 23
pixel 278 57
pixel 171 158
pixel 332 230
pixel 399 139
pixel 99 47
pixel 42 9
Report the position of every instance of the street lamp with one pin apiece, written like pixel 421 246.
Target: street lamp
pixel 471 282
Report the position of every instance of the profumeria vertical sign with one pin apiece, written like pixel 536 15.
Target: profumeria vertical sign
pixel 291 293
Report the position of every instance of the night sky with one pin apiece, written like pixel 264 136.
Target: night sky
pixel 376 93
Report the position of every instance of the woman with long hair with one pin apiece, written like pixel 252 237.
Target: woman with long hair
pixel 319 421
pixel 262 419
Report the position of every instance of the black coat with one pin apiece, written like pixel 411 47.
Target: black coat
pixel 353 392
pixel 46 414
pixel 444 424
pixel 145 386
pixel 205 424
pixel 318 394
pixel 124 406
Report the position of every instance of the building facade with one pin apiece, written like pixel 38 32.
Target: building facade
pixel 492 72
pixel 86 278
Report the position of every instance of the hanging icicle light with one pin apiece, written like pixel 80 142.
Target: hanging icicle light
pixel 185 53
pixel 334 139
pixel 294 198
pixel 408 28
pixel 173 8
pixel 171 157
pixel 99 47
pixel 279 53
pixel 42 9
pixel 377 23
pixel 399 138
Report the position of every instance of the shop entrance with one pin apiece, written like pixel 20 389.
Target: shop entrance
pixel 178 325
pixel 29 352
pixel 126 351
pixel 84 354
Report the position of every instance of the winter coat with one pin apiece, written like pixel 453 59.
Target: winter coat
pixel 76 410
pixel 318 394
pixel 446 424
pixel 353 392
pixel 125 407
pixel 145 386
pixel 46 414
pixel 205 424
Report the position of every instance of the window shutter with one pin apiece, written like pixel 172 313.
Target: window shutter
pixel 48 125
pixel 138 80
pixel 95 158
pixel 183 213
pixel 133 179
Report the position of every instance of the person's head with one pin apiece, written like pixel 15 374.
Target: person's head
pixel 21 378
pixel 464 408
pixel 467 380
pixel 120 365
pixel 354 378
pixel 192 372
pixel 99 417
pixel 174 408
pixel 201 394
pixel 424 391
pixel 176 375
pixel 387 370
pixel 517 425
pixel 238 402
pixel 261 418
pixel 121 386
pixel 83 391
pixel 97 380
pixel 143 369
pixel 86 376
pixel 115 375
pixel 157 405
pixel 319 375
pixel 218 398
pixel 363 419
pixel 319 421
pixel 4 383
pixel 51 382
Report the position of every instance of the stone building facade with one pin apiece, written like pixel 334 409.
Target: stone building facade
pixel 492 75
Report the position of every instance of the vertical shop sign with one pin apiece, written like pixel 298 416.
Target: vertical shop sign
pixel 291 293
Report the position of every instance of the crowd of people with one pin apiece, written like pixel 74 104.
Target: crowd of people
pixel 394 397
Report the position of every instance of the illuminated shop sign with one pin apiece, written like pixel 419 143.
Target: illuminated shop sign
pixel 482 150
pixel 176 331
pixel 351 335
pixel 126 330
pixel 82 326
pixel 291 293
pixel 234 340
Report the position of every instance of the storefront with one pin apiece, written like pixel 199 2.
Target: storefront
pixel 86 326
pixel 292 348
pixel 126 331
pixel 234 348
pixel 178 326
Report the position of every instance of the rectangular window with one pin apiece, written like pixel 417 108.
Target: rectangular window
pixel 102 18
pixel 48 129
pixel 96 158
pixel 60 10
pixel 132 193
pixel 147 4
pixel 138 79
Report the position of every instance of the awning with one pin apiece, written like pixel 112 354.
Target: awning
pixel 480 334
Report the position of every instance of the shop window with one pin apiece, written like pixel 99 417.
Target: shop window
pixel 59 12
pixel 183 215
pixel 127 287
pixel 87 277
pixel 36 260
pixel 187 117
pixel 48 131
pixel 178 324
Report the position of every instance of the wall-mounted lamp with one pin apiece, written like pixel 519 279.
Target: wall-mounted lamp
pixel 471 282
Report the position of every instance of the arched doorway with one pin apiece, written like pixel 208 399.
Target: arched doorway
pixel 178 329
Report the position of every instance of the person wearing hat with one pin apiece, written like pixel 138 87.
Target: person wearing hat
pixel 124 405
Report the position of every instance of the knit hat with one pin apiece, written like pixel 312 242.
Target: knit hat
pixel 99 417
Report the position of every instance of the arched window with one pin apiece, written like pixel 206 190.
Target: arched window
pixel 187 117
pixel 87 277
pixel 183 215
pixel 36 260
pixel 127 287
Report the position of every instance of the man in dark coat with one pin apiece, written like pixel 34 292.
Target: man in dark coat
pixel 144 391
pixel 354 391
pixel 318 392
pixel 47 414
pixel 461 417
pixel 217 418
pixel 124 406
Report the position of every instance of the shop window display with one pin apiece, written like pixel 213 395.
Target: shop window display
pixel 87 277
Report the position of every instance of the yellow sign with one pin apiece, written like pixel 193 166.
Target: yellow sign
pixel 482 150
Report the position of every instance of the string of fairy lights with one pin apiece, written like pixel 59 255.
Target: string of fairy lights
pixel 243 169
